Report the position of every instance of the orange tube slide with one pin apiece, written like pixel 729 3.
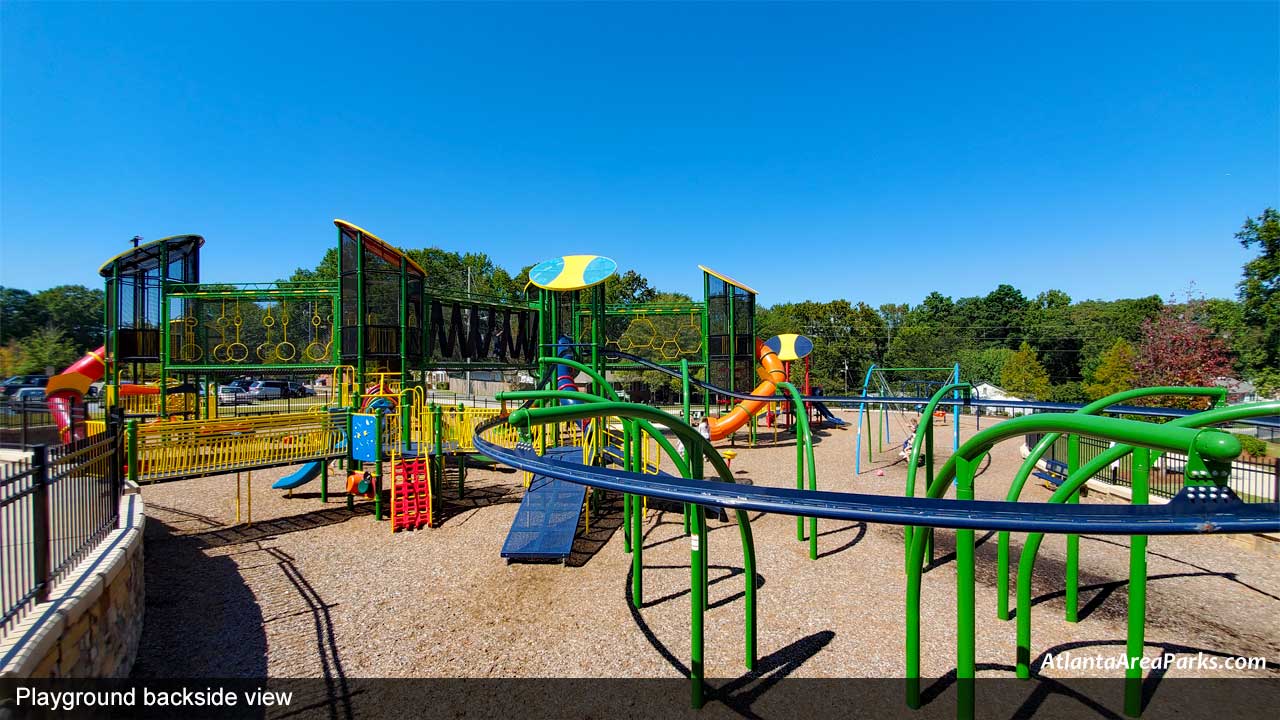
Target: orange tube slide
pixel 71 385
pixel 772 374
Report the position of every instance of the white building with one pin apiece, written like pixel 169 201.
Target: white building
pixel 987 391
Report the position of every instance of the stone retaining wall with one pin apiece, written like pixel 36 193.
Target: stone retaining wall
pixel 93 621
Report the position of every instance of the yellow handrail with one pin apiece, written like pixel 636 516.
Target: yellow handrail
pixel 199 447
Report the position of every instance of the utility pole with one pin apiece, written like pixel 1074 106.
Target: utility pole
pixel 846 378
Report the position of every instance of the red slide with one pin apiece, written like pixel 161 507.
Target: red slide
pixel 71 385
pixel 772 374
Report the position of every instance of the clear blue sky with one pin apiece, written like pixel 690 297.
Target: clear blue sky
pixel 874 152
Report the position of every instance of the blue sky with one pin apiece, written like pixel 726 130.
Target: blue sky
pixel 874 152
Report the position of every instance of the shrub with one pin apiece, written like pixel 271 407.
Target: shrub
pixel 1252 445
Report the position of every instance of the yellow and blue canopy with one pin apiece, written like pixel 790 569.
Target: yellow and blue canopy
pixel 572 272
pixel 790 346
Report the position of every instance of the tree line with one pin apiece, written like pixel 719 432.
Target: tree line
pixel 1047 347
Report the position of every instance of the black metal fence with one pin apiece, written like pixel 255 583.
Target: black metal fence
pixel 55 507
pixel 1252 481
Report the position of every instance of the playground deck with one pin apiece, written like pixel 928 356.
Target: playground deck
pixel 290 595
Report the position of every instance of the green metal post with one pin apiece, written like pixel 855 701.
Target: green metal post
pixel 1073 540
pixel 404 327
pixel 697 604
pixel 437 435
pixel 131 431
pixel 684 402
pixel 352 465
pixel 1136 638
pixel 164 330
pixel 377 465
pixel 324 482
pixel 966 634
pixel 706 345
pixel 360 318
pixel 633 461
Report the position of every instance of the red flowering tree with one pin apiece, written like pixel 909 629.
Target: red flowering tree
pixel 1175 349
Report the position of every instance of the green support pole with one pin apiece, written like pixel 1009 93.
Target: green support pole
pixel 164 330
pixel 749 569
pixel 706 346
pixel 928 478
pixel 377 465
pixel 437 458
pixel 1136 638
pixel 966 634
pixel 352 466
pixel 405 423
pixel 131 431
pixel 1073 540
pixel 685 404
pixel 324 482
pixel 633 462
pixel 1002 576
pixel 404 327
pixel 360 319
pixel 697 604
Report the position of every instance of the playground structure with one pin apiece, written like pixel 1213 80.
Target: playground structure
pixel 378 331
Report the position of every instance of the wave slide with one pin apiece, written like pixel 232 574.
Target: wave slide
pixel 826 413
pixel 71 385
pixel 771 373
pixel 303 475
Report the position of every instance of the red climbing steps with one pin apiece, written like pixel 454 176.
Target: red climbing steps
pixel 410 494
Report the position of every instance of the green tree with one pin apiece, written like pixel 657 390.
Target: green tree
pixel 1024 376
pixel 1260 284
pixel 1050 328
pixel 629 288
pixel 1114 372
pixel 846 337
pixel 76 311
pixel 20 314
pixel 46 350
pixel 985 365
pixel 1177 350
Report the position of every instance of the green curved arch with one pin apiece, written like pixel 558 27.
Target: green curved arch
pixel 1046 442
pixel 1030 548
pixel 1210 444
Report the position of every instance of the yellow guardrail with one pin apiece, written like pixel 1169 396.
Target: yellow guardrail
pixel 650 451
pixel 203 447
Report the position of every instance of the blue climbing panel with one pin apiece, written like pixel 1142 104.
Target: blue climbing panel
pixel 547 519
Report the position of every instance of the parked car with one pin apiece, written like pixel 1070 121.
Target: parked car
pixel 11 386
pixel 29 396
pixel 271 389
pixel 299 390
pixel 234 392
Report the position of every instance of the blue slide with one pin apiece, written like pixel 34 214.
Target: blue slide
pixel 303 475
pixel 826 413
pixel 547 519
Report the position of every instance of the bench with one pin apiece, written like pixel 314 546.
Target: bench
pixel 1054 473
